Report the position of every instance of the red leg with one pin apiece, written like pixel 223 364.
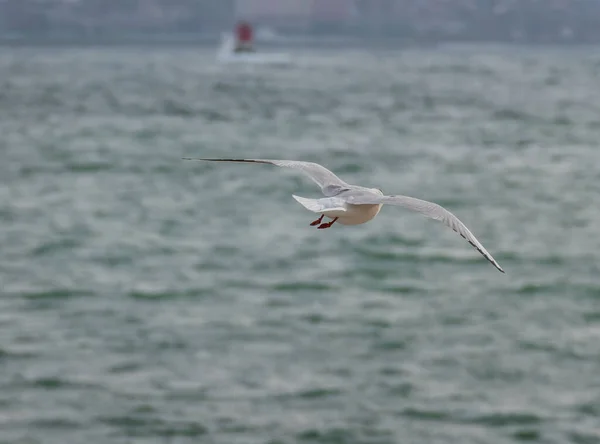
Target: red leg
pixel 317 222
pixel 327 224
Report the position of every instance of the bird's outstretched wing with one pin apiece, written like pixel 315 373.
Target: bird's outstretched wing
pixel 329 183
pixel 427 209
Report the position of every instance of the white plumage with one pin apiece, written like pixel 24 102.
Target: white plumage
pixel 352 204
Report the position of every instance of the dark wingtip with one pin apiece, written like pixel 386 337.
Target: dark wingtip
pixel 498 267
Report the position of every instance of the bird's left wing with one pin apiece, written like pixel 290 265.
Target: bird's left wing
pixel 329 183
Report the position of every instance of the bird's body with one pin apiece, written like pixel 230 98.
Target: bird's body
pixel 354 205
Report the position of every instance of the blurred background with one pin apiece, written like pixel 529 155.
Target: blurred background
pixel 424 20
pixel 145 299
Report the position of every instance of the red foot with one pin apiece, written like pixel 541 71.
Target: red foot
pixel 327 224
pixel 318 221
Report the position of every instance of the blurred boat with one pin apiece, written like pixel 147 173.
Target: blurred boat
pixel 239 48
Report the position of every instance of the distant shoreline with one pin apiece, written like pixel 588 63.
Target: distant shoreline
pixel 331 41
pixel 205 41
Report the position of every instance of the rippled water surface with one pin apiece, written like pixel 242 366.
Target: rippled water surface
pixel 145 299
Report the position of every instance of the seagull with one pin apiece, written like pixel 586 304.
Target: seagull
pixel 353 205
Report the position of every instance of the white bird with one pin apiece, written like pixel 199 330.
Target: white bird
pixel 352 204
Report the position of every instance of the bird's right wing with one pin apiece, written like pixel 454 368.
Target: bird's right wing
pixel 329 183
pixel 430 210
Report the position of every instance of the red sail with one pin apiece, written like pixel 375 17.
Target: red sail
pixel 244 32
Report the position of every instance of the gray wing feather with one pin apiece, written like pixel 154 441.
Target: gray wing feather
pixel 329 183
pixel 430 210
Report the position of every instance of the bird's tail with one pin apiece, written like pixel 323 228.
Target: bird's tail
pixel 323 205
